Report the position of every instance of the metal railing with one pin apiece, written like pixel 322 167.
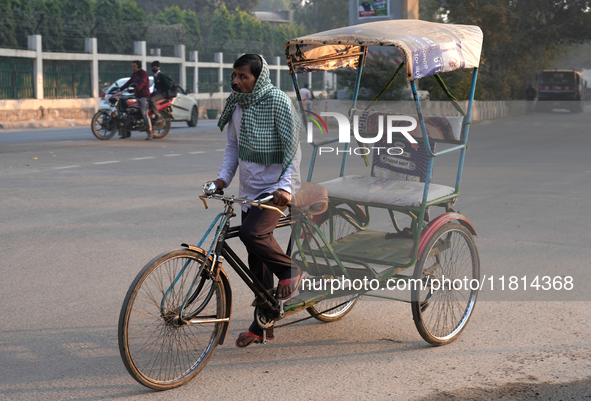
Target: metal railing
pixel 66 79
pixel 16 78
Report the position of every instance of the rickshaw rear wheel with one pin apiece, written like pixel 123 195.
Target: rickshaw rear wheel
pixel 446 284
pixel 341 228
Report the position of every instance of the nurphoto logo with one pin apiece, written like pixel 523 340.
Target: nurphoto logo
pixel 391 127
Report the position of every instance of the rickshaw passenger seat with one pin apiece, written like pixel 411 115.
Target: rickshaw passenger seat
pixel 311 198
pixel 397 179
pixel 384 191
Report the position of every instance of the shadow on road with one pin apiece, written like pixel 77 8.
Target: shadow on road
pixel 575 390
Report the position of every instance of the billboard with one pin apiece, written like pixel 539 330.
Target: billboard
pixel 373 8
pixel 364 11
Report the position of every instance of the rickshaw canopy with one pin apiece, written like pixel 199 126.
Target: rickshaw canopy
pixel 428 48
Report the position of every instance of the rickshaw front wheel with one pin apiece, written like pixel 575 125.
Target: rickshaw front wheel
pixel 445 284
pixel 157 348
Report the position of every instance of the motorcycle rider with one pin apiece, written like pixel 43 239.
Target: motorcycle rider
pixel 164 88
pixel 142 93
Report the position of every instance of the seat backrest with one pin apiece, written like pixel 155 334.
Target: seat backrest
pixel 448 128
pixel 412 164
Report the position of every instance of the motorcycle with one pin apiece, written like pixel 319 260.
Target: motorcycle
pixel 124 116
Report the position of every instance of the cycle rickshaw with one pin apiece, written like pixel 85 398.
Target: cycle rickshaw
pixel 178 309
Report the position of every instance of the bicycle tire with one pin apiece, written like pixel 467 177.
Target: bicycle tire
pixel 156 352
pixel 341 228
pixel 441 314
pixel 100 125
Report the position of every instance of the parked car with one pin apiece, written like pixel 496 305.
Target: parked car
pixel 184 108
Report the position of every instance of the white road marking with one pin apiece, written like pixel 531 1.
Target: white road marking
pixel 139 158
pixel 61 168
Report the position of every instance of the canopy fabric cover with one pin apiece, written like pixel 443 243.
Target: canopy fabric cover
pixel 428 48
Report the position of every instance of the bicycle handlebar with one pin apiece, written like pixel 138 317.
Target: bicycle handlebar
pixel 257 202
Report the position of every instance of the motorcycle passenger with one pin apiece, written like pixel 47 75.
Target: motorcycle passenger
pixel 164 88
pixel 142 93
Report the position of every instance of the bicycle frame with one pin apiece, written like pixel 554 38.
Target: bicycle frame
pixel 218 252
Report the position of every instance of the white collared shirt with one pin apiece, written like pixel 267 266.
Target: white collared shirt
pixel 256 179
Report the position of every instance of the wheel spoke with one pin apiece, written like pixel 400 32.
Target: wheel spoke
pixel 450 305
pixel 158 351
pixel 341 228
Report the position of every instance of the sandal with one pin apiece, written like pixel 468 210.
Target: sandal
pixel 289 286
pixel 248 337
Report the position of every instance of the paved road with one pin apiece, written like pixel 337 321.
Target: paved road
pixel 79 218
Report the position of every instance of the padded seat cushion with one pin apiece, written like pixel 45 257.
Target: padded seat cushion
pixel 383 191
pixel 311 198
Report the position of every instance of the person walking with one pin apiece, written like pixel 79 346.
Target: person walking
pixel 307 97
pixel 530 95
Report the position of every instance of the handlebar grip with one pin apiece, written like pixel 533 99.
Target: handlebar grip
pixel 268 198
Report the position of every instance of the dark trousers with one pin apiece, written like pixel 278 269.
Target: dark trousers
pixel 265 256
pixel 153 99
pixel 144 110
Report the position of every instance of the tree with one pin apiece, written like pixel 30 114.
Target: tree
pixel 7 36
pixel 284 33
pixel 52 25
pixel 191 22
pixel 183 22
pixel 222 30
pixel 268 38
pixel 321 15
pixel 521 37
pixel 80 22
pixel 249 33
pixel 19 19
pixel 273 5
pixel 131 12
pixel 113 34
pixel 108 9
pixel 376 73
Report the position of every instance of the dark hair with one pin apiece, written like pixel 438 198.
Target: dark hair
pixel 156 63
pixel 138 63
pixel 253 61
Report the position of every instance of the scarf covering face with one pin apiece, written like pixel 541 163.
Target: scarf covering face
pixel 270 126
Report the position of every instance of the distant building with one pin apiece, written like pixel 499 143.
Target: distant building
pixel 274 17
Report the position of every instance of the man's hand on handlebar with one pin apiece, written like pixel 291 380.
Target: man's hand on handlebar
pixel 281 197
pixel 219 184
